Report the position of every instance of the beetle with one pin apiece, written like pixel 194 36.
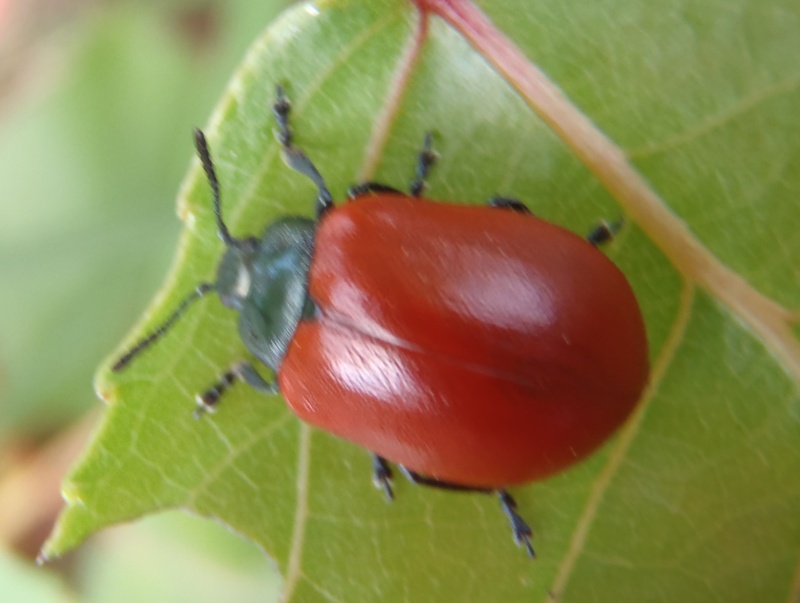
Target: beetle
pixel 473 347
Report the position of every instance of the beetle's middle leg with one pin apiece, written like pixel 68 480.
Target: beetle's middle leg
pixel 382 475
pixel 370 187
pixel 240 371
pixel 425 161
pixel 510 203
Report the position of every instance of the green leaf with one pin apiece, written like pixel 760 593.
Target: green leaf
pixel 697 498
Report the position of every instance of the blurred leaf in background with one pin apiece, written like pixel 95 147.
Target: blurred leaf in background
pixel 24 584
pixel 97 102
pixel 92 159
pixel 175 557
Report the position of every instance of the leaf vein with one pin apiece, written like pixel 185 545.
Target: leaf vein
pixel 623 443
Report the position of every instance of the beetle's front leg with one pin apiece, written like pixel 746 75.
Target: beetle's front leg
pixel 511 204
pixel 240 371
pixel 294 157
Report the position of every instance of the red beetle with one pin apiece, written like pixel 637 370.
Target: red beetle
pixel 474 347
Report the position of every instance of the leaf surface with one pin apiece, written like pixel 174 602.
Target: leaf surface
pixel 697 498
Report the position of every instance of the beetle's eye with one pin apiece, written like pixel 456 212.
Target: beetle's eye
pixel 233 278
pixel 242 286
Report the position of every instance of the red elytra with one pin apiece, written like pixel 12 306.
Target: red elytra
pixel 470 344
pixel 474 347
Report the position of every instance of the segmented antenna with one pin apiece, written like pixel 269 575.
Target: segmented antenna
pixel 201 290
pixel 205 158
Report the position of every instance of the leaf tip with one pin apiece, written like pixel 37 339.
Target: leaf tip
pixel 68 532
pixel 42 558
pixel 104 385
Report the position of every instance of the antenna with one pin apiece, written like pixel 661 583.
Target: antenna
pixel 205 158
pixel 201 290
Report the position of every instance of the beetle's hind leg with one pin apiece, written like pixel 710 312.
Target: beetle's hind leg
pixel 294 157
pixel 510 203
pixel 520 529
pixel 240 371
pixel 425 161
pixel 600 234
pixel 604 232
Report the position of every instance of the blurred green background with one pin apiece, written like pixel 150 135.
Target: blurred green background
pixel 97 102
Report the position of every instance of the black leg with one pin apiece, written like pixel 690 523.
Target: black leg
pixel 604 232
pixel 370 187
pixel 521 530
pixel 294 157
pixel 281 110
pixel 382 475
pixel 510 203
pixel 425 161
pixel 421 480
pixel 241 371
